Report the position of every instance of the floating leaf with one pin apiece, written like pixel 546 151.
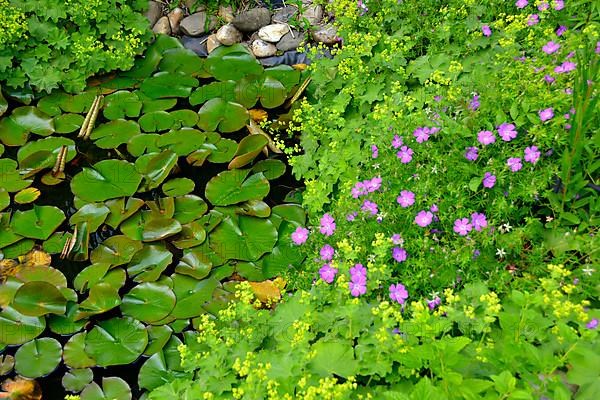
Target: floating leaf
pixel 155 167
pixel 66 324
pixel 90 276
pixel 74 353
pixel 246 240
pixel 184 118
pixel 67 123
pixel 114 133
pixel 113 388
pixel 101 298
pixel 16 328
pixel 148 263
pixel 223 152
pixel 12 134
pixel 181 61
pixel 78 103
pixel 192 234
pixel 10 179
pixel 194 264
pixel 189 208
pixel 158 337
pixel 75 380
pixel 120 210
pixel 4 198
pixel 116 341
pixel 39 298
pixel 156 121
pixel 38 357
pixel 268 90
pixel 255 208
pixel 223 115
pixel 27 196
pixel 285 74
pixel 167 84
pixel 247 150
pixel 190 294
pixel 162 367
pixel 41 273
pixel 232 63
pixel 182 141
pixel 178 187
pixel 148 302
pixel 122 104
pixel 7 362
pixel 271 168
pixel 94 214
pixel 33 120
pixel 116 250
pixel 231 187
pixel 38 223
pixel 151 105
pixel 106 180
pixel 224 90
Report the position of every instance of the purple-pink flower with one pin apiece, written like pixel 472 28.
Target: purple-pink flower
pixel 374 151
pixel 358 273
pixel 514 163
pixel 549 78
pixel 370 207
pixel 398 293
pixel 432 304
pixel 489 180
pixel 406 198
pixel 350 217
pixel 486 137
pixel 397 141
pixel 405 154
pixel 486 30
pixel 593 324
pixel 399 254
pixel 421 134
pixel 327 252
pixel 423 218
pixel 300 235
pixel 507 131
pixel 561 30
pixel 546 114
pixel 327 273
pixel 478 221
pixel 327 225
pixel 397 239
pixel 474 105
pixel 357 288
pixel 543 6
pixel 534 19
pixel 565 67
pixel 471 153
pixel 373 184
pixel 559 5
pixel 462 226
pixel 597 51
pixel 532 154
pixel 550 47
pixel 521 3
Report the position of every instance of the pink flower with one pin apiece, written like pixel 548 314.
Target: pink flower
pixel 421 134
pixel 489 180
pixel 550 47
pixel 359 190
pixel 300 235
pixel 561 30
pixel 543 6
pixel 514 163
pixel 521 3
pixel 373 184
pixel 327 273
pixel 549 78
pixel 593 324
pixel 405 154
pixel 350 217
pixel 357 272
pixel 357 288
pixel 486 137
pixel 397 239
pixel 399 254
pixel 398 293
pixel 327 253
pixel 532 154
pixel 534 19
pixel 327 225
pixel 406 198
pixel 374 151
pixel 507 131
pixel 397 141
pixel 559 5
pixel 486 31
pixel 471 153
pixel 565 67
pixel 423 218
pixel 370 207
pixel 462 226
pixel 479 221
pixel 546 114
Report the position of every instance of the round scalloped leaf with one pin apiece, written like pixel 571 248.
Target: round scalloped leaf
pixel 247 150
pixel 190 294
pixel 181 61
pixel 155 167
pixel 27 196
pixel 271 168
pixel 160 228
pixel 177 187
pixel 116 341
pixel 231 187
pixel 114 133
pixel 39 298
pixel 167 84
pixel 74 354
pixel 33 120
pixel 75 380
pixel 38 357
pixel 224 90
pixel 232 63
pixel 189 208
pixel 122 104
pixel 107 179
pixel 16 328
pixel 158 336
pixel 38 223
pixel 148 263
pixel 184 118
pixel 156 121
pixel 12 134
pixel 67 123
pixel 10 179
pixel 148 302
pixel 164 366
pixel 113 388
pixel 221 115
pixel 116 250
pixel 247 240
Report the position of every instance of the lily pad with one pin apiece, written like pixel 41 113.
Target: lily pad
pixel 178 187
pixel 101 298
pixel 194 264
pixel 268 90
pixel 184 118
pixel 75 380
pixel 11 133
pixel 231 187
pixel 74 353
pixel 116 341
pixel 33 120
pixel 151 105
pixel 42 273
pixel 223 152
pixel 181 61
pixel 143 143
pixel 148 302
pixel 27 196
pixel 190 294
pixel 148 263
pixel 16 328
pixel 106 180
pixel 10 179
pixel 225 116
pixel 247 150
pixel 114 133
pixel 66 324
pixel 113 388
pixel 7 362
pixel 67 123
pixel 156 121
pixel 182 141
pixel 78 103
pixel 192 234
pixel 38 223
pixel 158 336
pixel 122 104
pixel 224 90
pixel 162 367
pixel 271 168
pixel 38 357
pixel 167 84
pixel 254 208
pixel 232 63
pixel 5 198
pixel 155 167
pixel 120 210
pixel 94 214
pixel 246 240
pixel 90 276
pixel 116 250
pixel 189 208
pixel 39 298
pixel 285 74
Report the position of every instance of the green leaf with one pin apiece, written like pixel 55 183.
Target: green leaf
pixel 39 298
pixel 101 298
pixel 148 263
pixel 114 133
pixel 33 120
pixel 11 133
pixel 222 115
pixel 247 150
pixel 148 302
pixel 106 180
pixel 271 168
pixel 190 293
pixel 167 84
pixel 155 167
pixel 189 208
pixel 38 357
pixel 113 388
pixel 67 123
pixel 116 250
pixel 16 328
pixel 74 353
pixel 10 179
pixel 122 104
pixel 223 90
pixel 232 63
pixel 247 240
pixel 75 380
pixel 120 210
pixel 94 214
pixel 183 61
pixel 178 187
pixel 38 223
pixel 333 357
pixel 231 187
pixel 156 121
pixel 116 341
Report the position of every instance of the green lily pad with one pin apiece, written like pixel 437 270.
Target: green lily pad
pixel 156 121
pixel 75 380
pixel 143 143
pixel 246 240
pixel 225 116
pixel 122 104
pixel 39 298
pixel 18 249
pixel 38 357
pixel 192 234
pixel 254 208
pixel 231 187
pixel 120 210
pixel 151 105
pixel 271 168
pixel 155 167
pixel 285 74
pixel 16 328
pixel 116 341
pixel 26 196
pixel 50 144
pixel 38 223
pixel 8 289
pixel 5 198
pixel 113 388
pixel 74 353
pixel 66 324
pixel 190 294
pixel 11 133
pixel 177 187
pixel 184 118
pixel 181 61
pixel 114 133
pixel 167 84
pixel 101 298
pixel 33 120
pixel 148 263
pixel 162 367
pixel 51 104
pixel 162 207
pixel 291 212
pixel 232 63
pixel 42 273
pixel 182 141
pixel 224 151
pixel 285 254
pixel 10 179
pixel 94 214
pixel 116 250
pixel 3 103
pixel 67 123
pixel 268 90
pixel 148 302
pixel 224 90
pixel 106 180
pixel 194 264
pixel 56 242
pixel 90 276
pixel 78 103
pixel 160 228
pixel 158 336
pixel 189 208
pixel 247 150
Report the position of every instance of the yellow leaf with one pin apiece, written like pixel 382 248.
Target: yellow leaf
pixel 267 291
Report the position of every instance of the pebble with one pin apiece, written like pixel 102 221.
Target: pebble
pixel 154 12
pixel 212 43
pixel 288 42
pixel 196 24
pixel 314 14
pixel 196 44
pixel 284 14
pixel 273 33
pixel 228 35
pixel 226 13
pixel 252 20
pixel 260 48
pixel 175 18
pixel 162 26
pixel 326 34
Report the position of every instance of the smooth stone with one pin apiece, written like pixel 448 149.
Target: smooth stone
pixel 273 33
pixel 197 24
pixel 284 14
pixel 175 18
pixel 288 42
pixel 326 34
pixel 314 14
pixel 226 13
pixel 228 35
pixel 252 20
pixel 154 12
pixel 162 26
pixel 193 7
pixel 260 48
pixel 196 44
pixel 212 43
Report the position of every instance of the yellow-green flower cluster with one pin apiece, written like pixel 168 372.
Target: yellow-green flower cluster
pixel 13 26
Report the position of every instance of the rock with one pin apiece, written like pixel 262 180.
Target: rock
pixel 212 43
pixel 228 35
pixel 326 34
pixel 226 13
pixel 273 33
pixel 314 14
pixel 284 14
pixel 252 20
pixel 194 6
pixel 154 12
pixel 198 23
pixel 175 18
pixel 196 44
pixel 260 48
pixel 162 26
pixel 289 42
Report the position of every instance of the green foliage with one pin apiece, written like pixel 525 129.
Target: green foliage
pixel 49 44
